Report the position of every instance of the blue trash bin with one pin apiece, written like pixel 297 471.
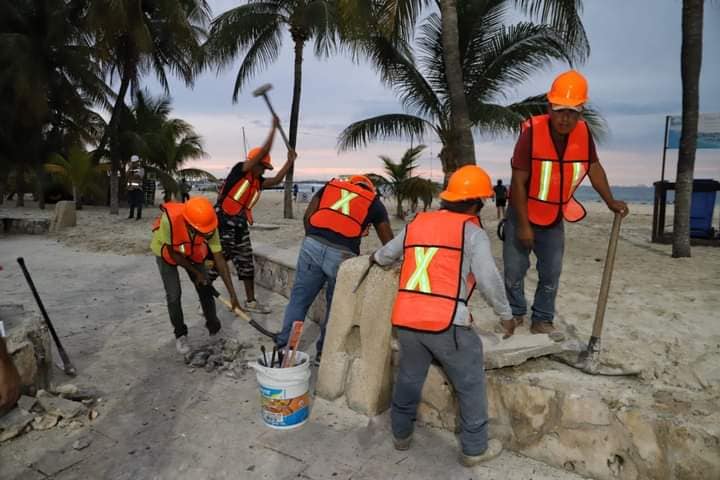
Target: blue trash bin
pixel 702 207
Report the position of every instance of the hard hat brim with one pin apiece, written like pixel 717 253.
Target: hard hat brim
pixel 204 229
pixel 565 102
pixel 456 197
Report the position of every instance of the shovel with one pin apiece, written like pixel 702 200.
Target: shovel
pixel 588 359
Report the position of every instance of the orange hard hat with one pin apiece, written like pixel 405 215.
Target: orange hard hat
pixel 363 180
pixel 254 152
pixel 569 89
pixel 467 183
pixel 200 214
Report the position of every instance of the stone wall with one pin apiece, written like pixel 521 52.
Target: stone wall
pixel 24 226
pixel 28 342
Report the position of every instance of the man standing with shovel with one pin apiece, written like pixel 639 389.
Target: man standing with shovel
pixel 238 196
pixel 553 155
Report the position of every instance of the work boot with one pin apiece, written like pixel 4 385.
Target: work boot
pixel 402 444
pixel 256 307
pixel 181 345
pixel 549 329
pixel 508 326
pixel 493 450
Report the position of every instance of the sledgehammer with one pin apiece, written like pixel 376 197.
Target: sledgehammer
pixel 262 91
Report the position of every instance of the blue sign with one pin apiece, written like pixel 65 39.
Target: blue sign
pixel 708 131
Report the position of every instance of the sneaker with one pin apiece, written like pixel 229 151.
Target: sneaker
pixel 549 329
pixel 402 444
pixel 256 307
pixel 316 361
pixel 493 450
pixel 181 345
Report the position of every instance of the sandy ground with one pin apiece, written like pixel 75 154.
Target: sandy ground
pixel 160 420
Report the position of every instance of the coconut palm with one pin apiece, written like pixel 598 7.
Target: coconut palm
pixel 255 30
pixel 398 175
pixel 496 57
pixel 78 172
pixel 138 37
pixel 418 189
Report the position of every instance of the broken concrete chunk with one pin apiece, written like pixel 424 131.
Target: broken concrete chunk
pixel 45 422
pixel 26 403
pixel 59 406
pixel 66 389
pixel 81 443
pixel 13 424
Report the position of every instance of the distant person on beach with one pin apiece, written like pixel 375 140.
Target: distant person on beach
pixel 445 255
pixel 238 196
pixel 295 191
pixel 136 173
pixel 336 219
pixel 553 155
pixel 9 380
pixel 185 235
pixel 184 190
pixel 500 194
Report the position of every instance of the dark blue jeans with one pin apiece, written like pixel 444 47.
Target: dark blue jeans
pixel 317 265
pixel 548 247
pixel 463 365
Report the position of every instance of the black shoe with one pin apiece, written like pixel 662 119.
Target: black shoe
pixel 318 357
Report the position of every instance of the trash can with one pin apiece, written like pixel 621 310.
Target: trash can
pixel 701 208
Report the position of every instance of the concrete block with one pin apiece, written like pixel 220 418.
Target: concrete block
pixel 59 406
pixel 65 216
pixel 516 350
pixel 13 423
pixel 28 343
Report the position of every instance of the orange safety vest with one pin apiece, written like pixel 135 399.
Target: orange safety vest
pixel 194 249
pixel 430 276
pixel 242 197
pixel 343 208
pixel 553 180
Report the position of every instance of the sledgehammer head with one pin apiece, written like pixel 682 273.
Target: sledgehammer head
pixel 262 90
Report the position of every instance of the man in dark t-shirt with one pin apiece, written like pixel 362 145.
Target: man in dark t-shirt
pixel 500 193
pixel 336 219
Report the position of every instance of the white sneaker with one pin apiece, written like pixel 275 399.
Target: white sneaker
pixel 256 307
pixel 181 345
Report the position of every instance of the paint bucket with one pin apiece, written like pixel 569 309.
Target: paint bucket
pixel 284 393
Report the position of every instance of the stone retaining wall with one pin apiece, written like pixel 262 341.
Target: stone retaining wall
pixel 24 226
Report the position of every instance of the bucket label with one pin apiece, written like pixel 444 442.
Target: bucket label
pixel 283 412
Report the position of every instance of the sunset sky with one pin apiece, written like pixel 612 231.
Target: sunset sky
pixel 633 70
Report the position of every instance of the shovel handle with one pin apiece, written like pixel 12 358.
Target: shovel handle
pixel 607 277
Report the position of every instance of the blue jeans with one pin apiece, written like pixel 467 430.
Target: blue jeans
pixel 460 353
pixel 548 246
pixel 317 265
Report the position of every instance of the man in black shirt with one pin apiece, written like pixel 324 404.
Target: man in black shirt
pixel 239 194
pixel 336 219
pixel 500 198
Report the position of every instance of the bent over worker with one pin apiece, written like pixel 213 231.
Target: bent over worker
pixel 234 205
pixel 553 155
pixel 184 235
pixel 336 219
pixel 446 254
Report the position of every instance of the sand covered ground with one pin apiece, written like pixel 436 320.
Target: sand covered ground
pixel 662 315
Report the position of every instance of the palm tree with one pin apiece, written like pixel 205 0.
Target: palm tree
pixel 48 83
pixel 495 58
pixel 77 170
pixel 136 37
pixel 421 189
pixel 398 175
pixel 690 61
pixel 256 28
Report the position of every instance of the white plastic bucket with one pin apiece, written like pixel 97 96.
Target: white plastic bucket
pixel 284 393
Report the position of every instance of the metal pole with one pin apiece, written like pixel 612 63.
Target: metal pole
pixel 665 139
pixel 244 141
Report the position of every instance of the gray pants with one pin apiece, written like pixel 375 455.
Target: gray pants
pixel 460 353
pixel 173 292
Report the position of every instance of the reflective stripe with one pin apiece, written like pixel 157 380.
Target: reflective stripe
pixel 420 276
pixel 254 200
pixel 243 187
pixel 182 249
pixel 344 203
pixel 545 174
pixel 577 173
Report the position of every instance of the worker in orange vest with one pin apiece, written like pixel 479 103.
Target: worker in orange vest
pixel 553 155
pixel 446 254
pixel 336 219
pixel 184 235
pixel 234 205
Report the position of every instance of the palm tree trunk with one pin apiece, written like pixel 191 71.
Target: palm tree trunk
pixel 691 59
pixel 459 116
pixel 294 117
pixel 398 207
pixel 20 185
pixel 41 180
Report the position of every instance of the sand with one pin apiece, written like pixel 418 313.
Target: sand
pixel 662 314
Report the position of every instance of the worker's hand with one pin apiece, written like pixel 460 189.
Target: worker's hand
pixel 201 277
pixel 234 303
pixel 525 236
pixel 275 122
pixel 371 259
pixel 9 386
pixel 292 155
pixel 618 206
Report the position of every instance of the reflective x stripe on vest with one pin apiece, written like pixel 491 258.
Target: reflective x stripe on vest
pixel 420 277
pixel 344 203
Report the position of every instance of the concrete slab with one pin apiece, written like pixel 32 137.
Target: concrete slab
pixel 516 350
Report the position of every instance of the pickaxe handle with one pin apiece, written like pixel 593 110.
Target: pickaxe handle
pixel 282 131
pixel 243 315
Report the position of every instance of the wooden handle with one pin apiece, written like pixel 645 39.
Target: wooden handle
pixel 607 276
pixel 236 311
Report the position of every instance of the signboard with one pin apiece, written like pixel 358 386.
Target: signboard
pixel 708 131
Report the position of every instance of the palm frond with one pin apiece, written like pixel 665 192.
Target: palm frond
pixel 383 127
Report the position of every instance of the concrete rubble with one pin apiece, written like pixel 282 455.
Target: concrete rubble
pixel 223 355
pixel 28 342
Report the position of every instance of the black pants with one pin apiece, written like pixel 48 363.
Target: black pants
pixel 173 292
pixel 135 200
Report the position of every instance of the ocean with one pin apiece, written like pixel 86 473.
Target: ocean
pixel 639 194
